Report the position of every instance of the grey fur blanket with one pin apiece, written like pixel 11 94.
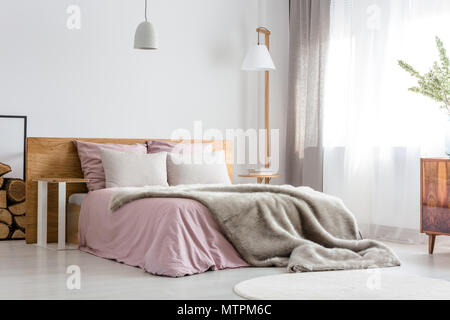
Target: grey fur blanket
pixel 270 225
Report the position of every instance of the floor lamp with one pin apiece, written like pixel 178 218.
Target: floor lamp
pixel 258 59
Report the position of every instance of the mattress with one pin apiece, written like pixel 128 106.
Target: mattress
pixel 77 198
pixel 164 236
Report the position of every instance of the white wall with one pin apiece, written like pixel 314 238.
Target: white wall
pixel 92 83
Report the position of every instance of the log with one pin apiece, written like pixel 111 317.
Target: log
pixel 4 169
pixel 3 203
pixel 4 231
pixel 20 222
pixel 18 208
pixel 18 234
pixel 1 182
pixel 15 189
pixel 5 216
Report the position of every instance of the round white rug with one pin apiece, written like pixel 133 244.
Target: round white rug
pixel 371 284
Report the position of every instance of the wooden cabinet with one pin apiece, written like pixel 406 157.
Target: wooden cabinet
pixel 434 198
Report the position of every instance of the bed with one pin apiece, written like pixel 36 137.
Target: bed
pixel 187 227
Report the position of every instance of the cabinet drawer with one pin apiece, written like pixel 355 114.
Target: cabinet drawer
pixel 435 196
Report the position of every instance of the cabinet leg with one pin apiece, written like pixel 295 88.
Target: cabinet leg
pixel 431 241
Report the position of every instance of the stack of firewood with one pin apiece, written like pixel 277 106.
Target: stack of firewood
pixel 12 206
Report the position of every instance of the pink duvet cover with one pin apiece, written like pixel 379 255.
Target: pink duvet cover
pixel 170 237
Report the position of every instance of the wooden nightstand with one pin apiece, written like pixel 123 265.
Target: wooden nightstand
pixel 260 178
pixel 434 198
pixel 42 209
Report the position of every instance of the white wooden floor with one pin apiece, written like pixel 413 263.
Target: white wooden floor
pixel 30 272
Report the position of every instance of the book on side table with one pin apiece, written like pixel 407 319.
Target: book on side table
pixel 262 175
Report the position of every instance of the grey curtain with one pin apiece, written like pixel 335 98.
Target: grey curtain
pixel 309 23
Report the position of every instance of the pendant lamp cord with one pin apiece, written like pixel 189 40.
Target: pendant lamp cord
pixel 145 10
pixel 257 32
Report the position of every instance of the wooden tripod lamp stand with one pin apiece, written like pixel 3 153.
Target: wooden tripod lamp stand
pixel 258 59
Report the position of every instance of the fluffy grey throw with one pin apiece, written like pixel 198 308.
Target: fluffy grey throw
pixel 300 228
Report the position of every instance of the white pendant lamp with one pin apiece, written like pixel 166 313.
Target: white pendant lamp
pixel 258 57
pixel 145 37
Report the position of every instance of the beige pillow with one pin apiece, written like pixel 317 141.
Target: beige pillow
pixel 125 169
pixel 209 168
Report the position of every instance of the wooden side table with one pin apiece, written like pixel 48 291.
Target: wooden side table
pixel 260 178
pixel 434 198
pixel 42 209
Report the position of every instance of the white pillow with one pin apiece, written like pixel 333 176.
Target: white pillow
pixel 209 168
pixel 126 169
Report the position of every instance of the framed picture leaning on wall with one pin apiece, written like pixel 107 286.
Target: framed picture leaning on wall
pixel 13 135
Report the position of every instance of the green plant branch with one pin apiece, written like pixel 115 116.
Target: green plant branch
pixel 434 84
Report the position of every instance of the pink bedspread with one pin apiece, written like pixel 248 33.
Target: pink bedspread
pixel 170 237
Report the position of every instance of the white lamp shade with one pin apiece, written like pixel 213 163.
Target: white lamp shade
pixel 258 59
pixel 145 37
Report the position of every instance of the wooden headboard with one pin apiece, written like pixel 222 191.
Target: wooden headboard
pixel 58 157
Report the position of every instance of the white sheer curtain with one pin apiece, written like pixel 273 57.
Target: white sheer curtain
pixel 375 131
